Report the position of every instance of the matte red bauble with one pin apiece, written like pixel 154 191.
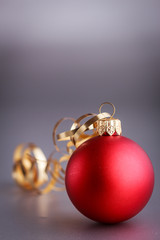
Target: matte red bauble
pixel 109 178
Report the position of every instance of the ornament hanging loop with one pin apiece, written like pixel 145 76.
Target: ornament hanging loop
pixel 114 109
pixel 108 126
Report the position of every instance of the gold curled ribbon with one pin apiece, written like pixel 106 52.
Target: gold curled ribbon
pixel 33 171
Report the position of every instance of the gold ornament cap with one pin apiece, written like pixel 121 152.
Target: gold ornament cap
pixel 109 126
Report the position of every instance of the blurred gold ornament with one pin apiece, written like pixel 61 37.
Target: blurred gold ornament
pixel 33 171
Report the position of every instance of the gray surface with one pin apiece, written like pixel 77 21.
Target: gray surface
pixel 52 216
pixel 64 58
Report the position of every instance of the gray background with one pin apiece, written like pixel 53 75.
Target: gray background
pixel 64 58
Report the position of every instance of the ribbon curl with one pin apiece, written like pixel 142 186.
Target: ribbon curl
pixel 33 171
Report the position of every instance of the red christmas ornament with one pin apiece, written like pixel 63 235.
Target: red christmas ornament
pixel 109 178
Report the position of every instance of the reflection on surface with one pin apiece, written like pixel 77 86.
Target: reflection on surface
pixel 53 216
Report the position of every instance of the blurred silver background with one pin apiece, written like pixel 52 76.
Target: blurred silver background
pixel 64 58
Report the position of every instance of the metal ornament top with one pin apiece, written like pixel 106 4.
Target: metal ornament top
pixel 109 126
